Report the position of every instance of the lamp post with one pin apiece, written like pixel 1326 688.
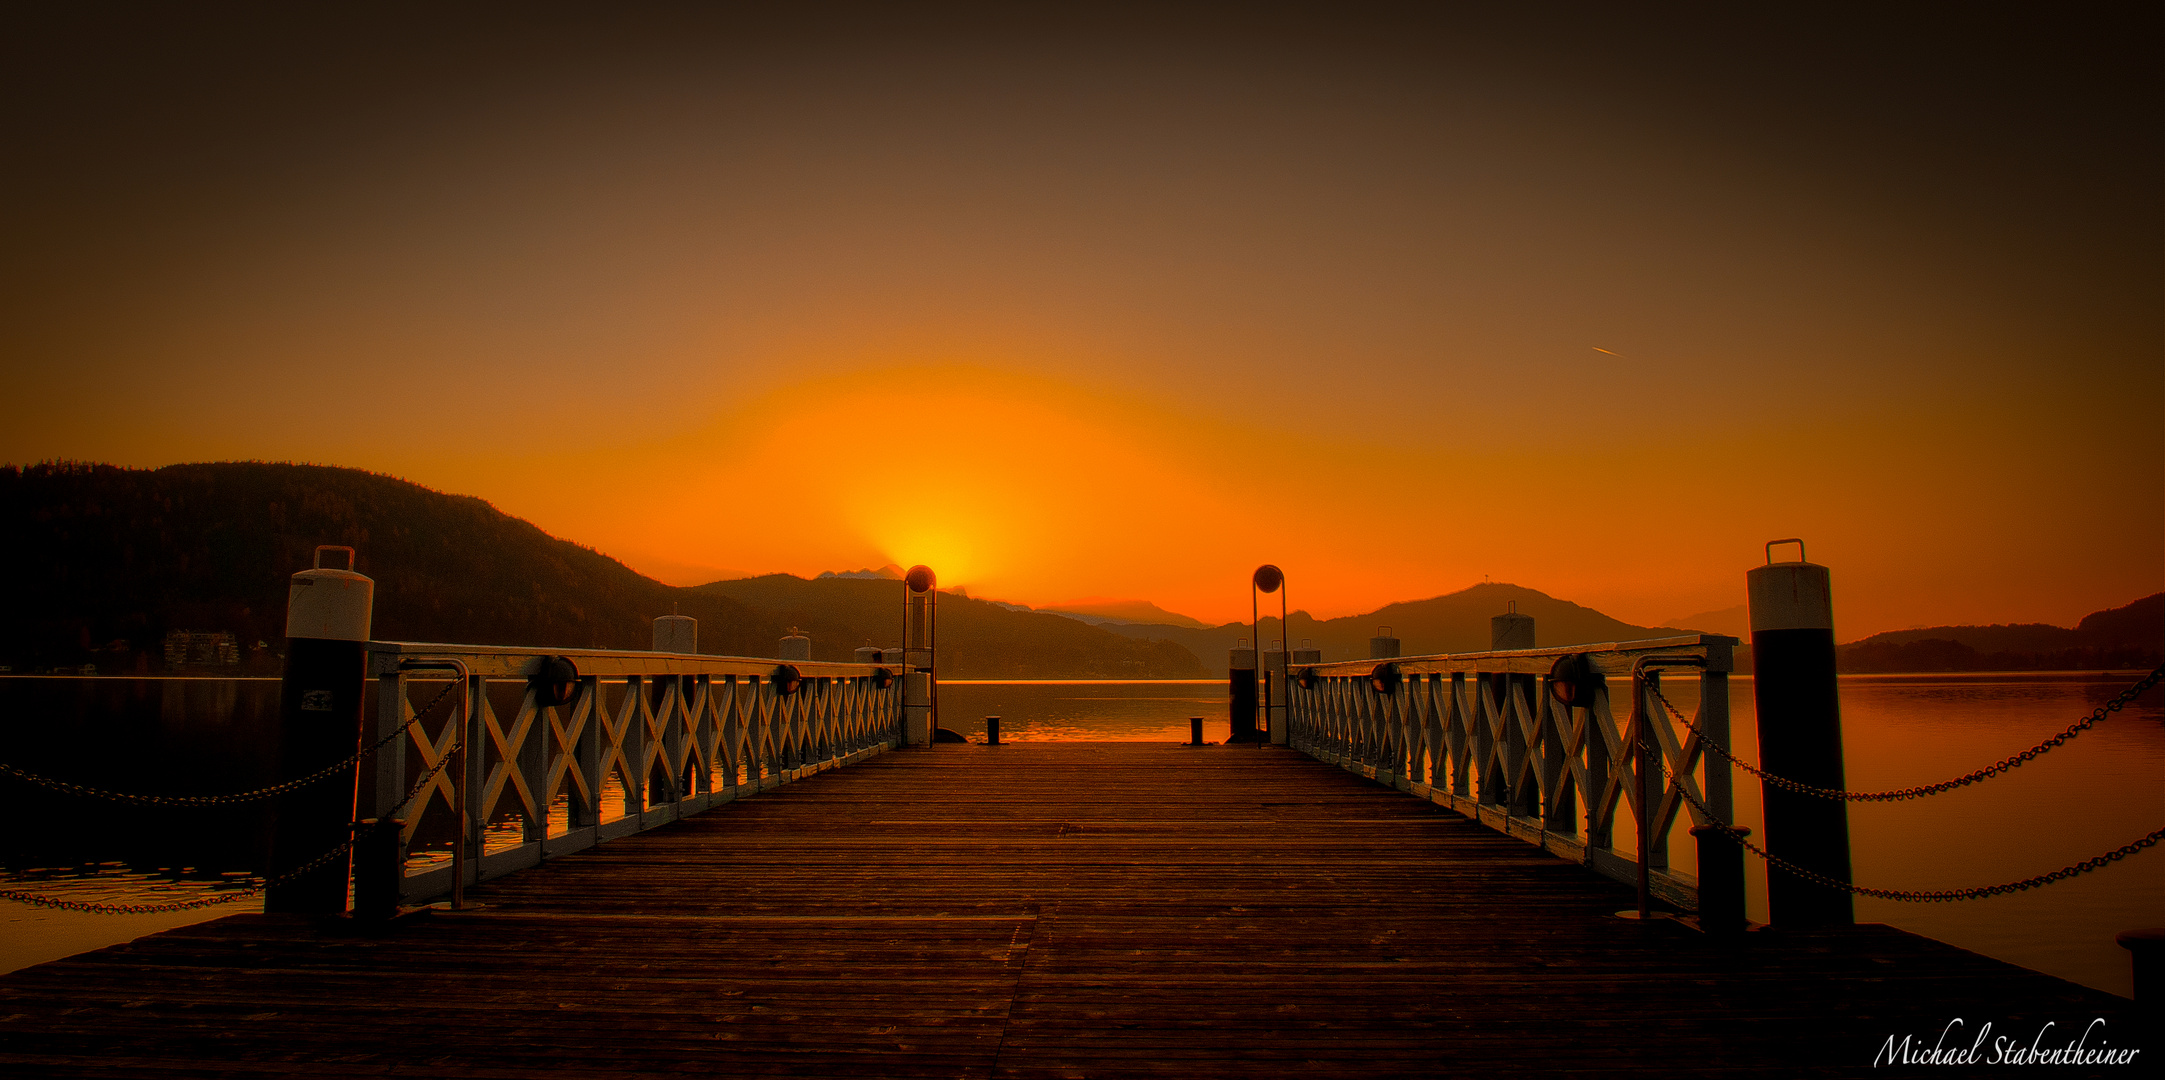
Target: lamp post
pixel 920 683
pixel 1269 579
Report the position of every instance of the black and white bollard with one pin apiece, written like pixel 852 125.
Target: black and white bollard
pixel 1800 736
pixel 328 615
pixel 1511 630
pixel 676 634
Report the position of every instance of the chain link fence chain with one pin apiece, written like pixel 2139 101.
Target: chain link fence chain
pixel 94 908
pixel 1919 896
pixel 1989 771
pixel 236 798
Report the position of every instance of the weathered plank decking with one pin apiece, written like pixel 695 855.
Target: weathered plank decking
pixel 1062 910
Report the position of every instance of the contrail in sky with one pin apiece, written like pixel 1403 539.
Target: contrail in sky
pixel 1598 348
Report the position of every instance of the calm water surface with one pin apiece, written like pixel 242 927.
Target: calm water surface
pixel 2096 793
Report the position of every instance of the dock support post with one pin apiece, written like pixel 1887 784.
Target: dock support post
pixel 320 721
pixel 1195 731
pixel 992 731
pixel 1800 736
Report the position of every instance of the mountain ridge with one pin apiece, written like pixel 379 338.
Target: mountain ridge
pixel 124 556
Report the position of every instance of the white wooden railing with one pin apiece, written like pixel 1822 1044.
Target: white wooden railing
pixel 1483 734
pixel 675 733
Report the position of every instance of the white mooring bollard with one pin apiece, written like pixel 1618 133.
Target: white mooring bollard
pixel 1800 735
pixel 328 617
pixel 676 634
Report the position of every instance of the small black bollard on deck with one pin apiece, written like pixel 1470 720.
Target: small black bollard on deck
pixel 1800 735
pixel 2147 949
pixel 1241 667
pixel 1195 731
pixel 1721 879
pixel 992 731
pixel 319 722
pixel 379 868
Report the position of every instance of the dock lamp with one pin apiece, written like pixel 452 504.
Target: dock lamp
pixel 1268 579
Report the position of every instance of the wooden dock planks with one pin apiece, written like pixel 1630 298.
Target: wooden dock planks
pixel 1030 910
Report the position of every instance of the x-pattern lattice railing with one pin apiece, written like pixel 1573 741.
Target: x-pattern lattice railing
pixel 676 733
pixel 1484 734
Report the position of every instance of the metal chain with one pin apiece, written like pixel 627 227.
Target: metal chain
pixel 1989 771
pixel 1922 896
pixel 94 908
pixel 236 798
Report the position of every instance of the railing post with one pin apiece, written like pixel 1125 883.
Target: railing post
pixel 320 704
pixel 388 765
pixel 587 814
pixel 1600 819
pixel 468 850
pixel 1721 856
pixel 1800 736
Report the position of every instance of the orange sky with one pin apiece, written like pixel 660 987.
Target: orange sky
pixel 1122 305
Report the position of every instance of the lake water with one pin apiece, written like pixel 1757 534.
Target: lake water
pixel 2094 794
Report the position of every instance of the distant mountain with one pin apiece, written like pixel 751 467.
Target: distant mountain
pixel 104 561
pixel 1456 622
pixel 1735 622
pixel 978 639
pixel 1125 611
pixel 2123 637
pixel 889 572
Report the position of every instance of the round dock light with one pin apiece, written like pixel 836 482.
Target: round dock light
pixel 1307 678
pixel 1384 678
pixel 883 678
pixel 920 578
pixel 554 681
pixel 1268 578
pixel 786 679
pixel 1571 679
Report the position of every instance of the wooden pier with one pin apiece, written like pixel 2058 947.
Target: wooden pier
pixel 1047 910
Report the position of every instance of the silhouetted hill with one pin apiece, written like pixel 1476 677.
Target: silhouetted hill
pixel 103 561
pixel 1125 611
pixel 2123 637
pixel 978 639
pixel 1456 622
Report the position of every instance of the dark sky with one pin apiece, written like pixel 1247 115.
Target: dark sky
pixel 1903 257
